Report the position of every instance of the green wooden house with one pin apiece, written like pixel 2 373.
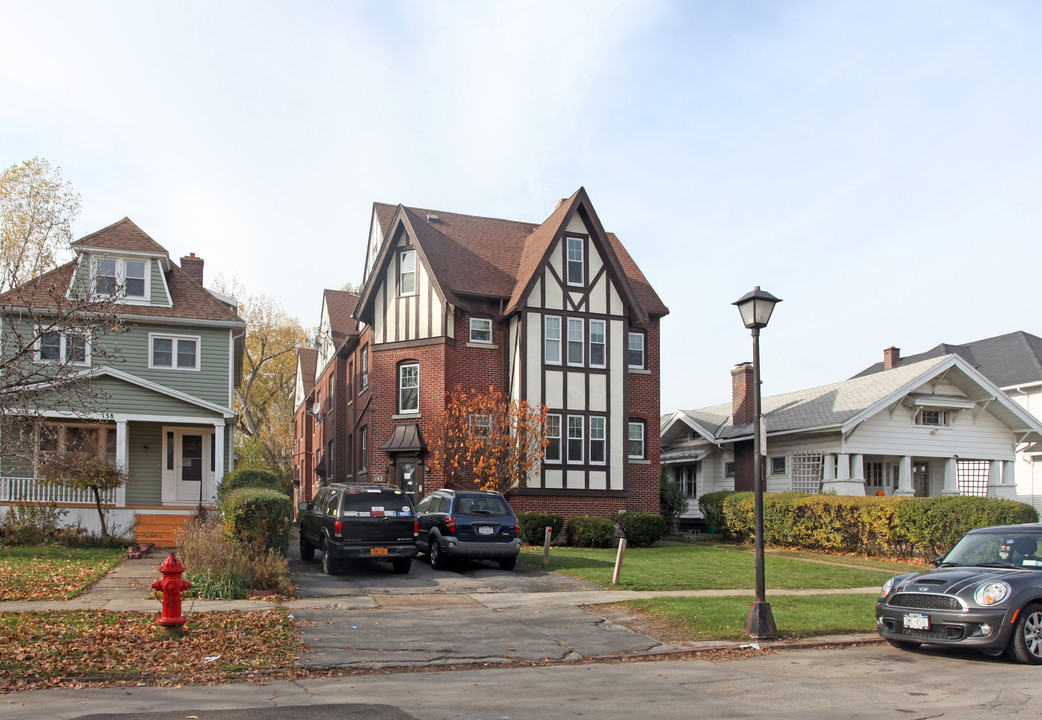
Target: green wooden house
pixel 161 385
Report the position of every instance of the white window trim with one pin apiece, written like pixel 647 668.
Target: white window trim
pixel 121 278
pixel 784 465
pixel 364 382
pixel 558 340
pixel 568 262
pixel 62 350
pixel 643 439
pixel 401 409
pixel 560 453
pixel 643 350
pixel 474 320
pixel 402 272
pixel 603 343
pixel 152 337
pixel 568 342
pixel 569 438
pixel 945 417
pixel 603 440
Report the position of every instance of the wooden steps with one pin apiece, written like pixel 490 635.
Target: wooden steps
pixel 160 530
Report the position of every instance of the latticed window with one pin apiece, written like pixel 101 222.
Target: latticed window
pixel 807 472
pixel 973 477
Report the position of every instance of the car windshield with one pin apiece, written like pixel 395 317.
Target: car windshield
pixel 483 506
pixel 1011 549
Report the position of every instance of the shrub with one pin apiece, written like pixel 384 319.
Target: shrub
pixel 641 528
pixel 590 531
pixel 253 478
pixel 712 506
pixel 259 518
pixel 534 525
pixel 31 524
pixel 221 568
pixel 672 501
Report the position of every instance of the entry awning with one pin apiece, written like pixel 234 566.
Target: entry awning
pixel 406 438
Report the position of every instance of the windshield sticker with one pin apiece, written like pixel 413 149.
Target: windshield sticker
pixel 378 512
pixel 373 490
pixel 1032 563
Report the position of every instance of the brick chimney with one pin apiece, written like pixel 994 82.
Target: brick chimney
pixel 742 394
pixel 891 356
pixel 193 266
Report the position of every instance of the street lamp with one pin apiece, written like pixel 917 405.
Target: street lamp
pixel 755 308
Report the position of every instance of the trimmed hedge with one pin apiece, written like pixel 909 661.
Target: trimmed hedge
pixel 641 529
pixel 590 531
pixel 899 527
pixel 534 525
pixel 258 517
pixel 253 478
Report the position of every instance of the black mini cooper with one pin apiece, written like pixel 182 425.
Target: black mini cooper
pixel 986 594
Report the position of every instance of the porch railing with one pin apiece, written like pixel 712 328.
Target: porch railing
pixel 26 489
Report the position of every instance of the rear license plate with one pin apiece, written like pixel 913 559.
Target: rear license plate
pixel 378 551
pixel 917 621
pixel 485 530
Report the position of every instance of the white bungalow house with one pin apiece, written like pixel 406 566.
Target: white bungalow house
pixel 934 427
pixel 1013 362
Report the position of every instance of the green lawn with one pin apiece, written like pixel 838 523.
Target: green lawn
pixel 705 567
pixel 722 618
pixel 52 573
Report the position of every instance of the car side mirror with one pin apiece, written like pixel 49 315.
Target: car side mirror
pixel 303 506
pixel 937 561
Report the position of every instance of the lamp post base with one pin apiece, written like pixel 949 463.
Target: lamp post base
pixel 759 624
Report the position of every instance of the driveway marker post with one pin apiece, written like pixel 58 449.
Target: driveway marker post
pixel 618 562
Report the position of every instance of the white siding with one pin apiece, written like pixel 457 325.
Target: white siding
pixel 576 391
pixel 533 363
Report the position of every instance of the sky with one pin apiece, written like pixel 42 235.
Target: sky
pixel 877 165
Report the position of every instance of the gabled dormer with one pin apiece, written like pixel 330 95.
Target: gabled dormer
pixel 123 261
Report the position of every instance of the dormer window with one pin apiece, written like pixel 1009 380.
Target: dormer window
pixel 407 273
pixel 575 261
pixel 933 418
pixel 112 273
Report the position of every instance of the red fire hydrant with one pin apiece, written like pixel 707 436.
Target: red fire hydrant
pixel 171 586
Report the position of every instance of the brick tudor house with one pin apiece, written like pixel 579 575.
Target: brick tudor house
pixel 557 314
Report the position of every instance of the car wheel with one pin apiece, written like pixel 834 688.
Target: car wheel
pixel 508 563
pixel 401 565
pixel 329 565
pixel 435 554
pixel 1026 644
pixel 904 644
pixel 307 550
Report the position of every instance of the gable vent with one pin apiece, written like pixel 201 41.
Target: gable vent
pixel 431 217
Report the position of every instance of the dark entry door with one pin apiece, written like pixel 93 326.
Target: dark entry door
pixel 410 478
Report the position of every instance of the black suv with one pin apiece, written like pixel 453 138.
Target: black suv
pixel 467 524
pixel 358 520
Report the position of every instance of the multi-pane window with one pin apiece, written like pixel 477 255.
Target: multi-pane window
pixel 687 478
pixel 317 409
pixel 575 261
pixel 409 388
pixel 97 440
pixel 105 278
pixel 332 386
pixel 480 425
pixel 552 340
pixel 597 343
pixel 62 347
pixel 778 465
pixel 480 330
pixel 177 352
pixel 635 444
pixel 365 367
pixel 635 350
pixel 575 439
pixel 597 440
pixel 407 273
pixel 575 341
pixel 874 474
pixel 135 280
pixel 553 438
pixel 933 417
pixel 363 449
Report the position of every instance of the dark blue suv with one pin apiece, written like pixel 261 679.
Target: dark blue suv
pixel 467 524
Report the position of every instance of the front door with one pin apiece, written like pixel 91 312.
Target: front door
pixel 921 478
pixel 410 478
pixel 187 470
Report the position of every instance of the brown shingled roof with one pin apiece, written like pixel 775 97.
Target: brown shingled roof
pixel 122 235
pixel 341 304
pixel 308 362
pixel 471 256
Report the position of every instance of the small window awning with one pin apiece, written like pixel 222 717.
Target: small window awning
pixel 406 438
pixel 320 469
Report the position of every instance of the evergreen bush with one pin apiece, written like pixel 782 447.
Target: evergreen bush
pixel 641 529
pixel 590 531
pixel 534 525
pixel 259 518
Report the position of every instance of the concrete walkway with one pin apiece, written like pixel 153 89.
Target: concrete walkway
pixel 373 619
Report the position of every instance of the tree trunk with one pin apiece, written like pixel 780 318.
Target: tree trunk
pixel 101 511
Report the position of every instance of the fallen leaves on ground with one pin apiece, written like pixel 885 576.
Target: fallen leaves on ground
pixel 52 573
pixel 62 648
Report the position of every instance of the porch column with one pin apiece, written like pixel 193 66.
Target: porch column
pixel 841 482
pixel 122 461
pixel 904 478
pixel 829 474
pixel 1001 480
pixel 218 471
pixel 951 477
pixel 857 468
